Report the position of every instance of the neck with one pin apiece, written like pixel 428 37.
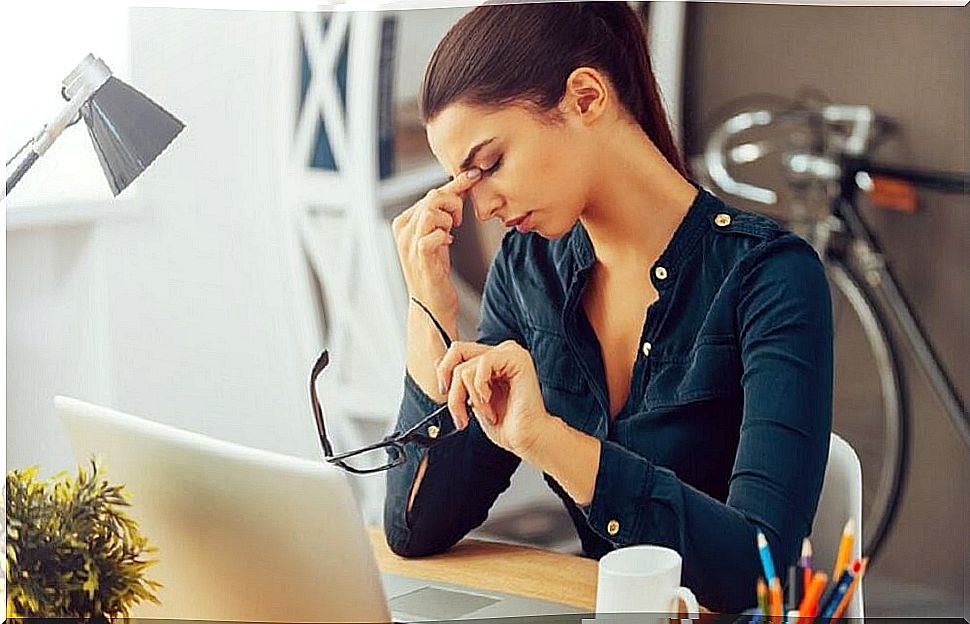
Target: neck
pixel 634 212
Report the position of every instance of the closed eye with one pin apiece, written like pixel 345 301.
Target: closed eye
pixel 495 167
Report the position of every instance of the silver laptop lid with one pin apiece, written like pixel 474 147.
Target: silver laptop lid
pixel 243 534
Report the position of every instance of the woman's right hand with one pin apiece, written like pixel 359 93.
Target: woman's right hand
pixel 423 238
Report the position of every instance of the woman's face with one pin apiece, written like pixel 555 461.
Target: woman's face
pixel 528 167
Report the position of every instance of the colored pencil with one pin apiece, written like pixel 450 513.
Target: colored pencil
pixel 766 560
pixel 774 590
pixel 763 596
pixel 848 594
pixel 810 601
pixel 806 563
pixel 795 586
pixel 845 550
pixel 841 588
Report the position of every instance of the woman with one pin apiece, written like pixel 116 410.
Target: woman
pixel 664 359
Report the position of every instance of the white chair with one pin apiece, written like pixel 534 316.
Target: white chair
pixel 840 500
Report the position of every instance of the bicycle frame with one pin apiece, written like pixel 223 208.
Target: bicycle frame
pixel 866 252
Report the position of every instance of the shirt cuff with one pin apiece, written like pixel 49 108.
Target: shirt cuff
pixel 620 496
pixel 417 405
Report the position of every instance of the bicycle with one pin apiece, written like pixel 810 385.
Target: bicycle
pixel 825 161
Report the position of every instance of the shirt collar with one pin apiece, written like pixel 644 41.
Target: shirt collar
pixel 685 237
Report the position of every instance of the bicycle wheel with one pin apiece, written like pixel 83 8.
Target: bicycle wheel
pixel 869 403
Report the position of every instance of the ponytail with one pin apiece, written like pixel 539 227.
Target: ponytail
pixel 638 87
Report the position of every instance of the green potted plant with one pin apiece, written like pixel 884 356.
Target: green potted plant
pixel 72 551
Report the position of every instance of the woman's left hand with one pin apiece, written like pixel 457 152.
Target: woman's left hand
pixel 502 384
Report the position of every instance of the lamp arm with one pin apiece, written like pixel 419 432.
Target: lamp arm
pixel 83 82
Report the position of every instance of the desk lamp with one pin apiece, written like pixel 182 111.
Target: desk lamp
pixel 128 129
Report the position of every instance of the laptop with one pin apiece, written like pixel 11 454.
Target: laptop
pixel 250 535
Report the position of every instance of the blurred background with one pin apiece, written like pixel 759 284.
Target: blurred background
pixel 201 296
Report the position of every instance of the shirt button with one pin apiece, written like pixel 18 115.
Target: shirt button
pixel 646 348
pixel 612 527
pixel 722 220
pixel 660 273
pixel 433 431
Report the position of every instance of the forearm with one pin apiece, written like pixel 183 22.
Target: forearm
pixel 568 455
pixel 460 478
pixel 425 348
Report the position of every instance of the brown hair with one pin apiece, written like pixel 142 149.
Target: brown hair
pixel 501 53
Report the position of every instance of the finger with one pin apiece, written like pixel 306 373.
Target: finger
pixel 456 188
pixel 450 203
pixel 463 181
pixel 457 397
pixel 467 374
pixel 431 219
pixel 430 244
pixel 481 383
pixel 457 353
pixel 402 219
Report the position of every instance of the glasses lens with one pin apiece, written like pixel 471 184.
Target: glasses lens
pixel 375 459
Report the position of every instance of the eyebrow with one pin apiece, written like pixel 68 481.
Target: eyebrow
pixel 472 153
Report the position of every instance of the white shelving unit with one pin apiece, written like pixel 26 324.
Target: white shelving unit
pixel 29 217
pixel 344 248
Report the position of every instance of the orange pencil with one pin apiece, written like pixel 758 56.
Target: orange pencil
pixel 845 550
pixel 848 594
pixel 810 601
pixel 777 608
pixel 763 604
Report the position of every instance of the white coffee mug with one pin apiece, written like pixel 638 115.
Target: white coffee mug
pixel 642 579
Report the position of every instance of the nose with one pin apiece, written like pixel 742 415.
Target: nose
pixel 484 204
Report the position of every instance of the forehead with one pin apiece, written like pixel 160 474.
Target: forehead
pixel 459 127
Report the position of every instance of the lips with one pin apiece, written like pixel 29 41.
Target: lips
pixel 514 222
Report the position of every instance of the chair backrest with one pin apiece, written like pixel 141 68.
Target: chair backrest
pixel 840 500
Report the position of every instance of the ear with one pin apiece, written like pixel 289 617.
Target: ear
pixel 586 94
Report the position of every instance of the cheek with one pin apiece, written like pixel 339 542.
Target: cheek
pixel 559 178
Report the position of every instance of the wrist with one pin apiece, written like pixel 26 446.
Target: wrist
pixel 446 315
pixel 568 455
pixel 532 443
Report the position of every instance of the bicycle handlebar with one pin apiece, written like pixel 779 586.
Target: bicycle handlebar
pixel 862 122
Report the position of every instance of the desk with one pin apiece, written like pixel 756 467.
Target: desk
pixel 566 579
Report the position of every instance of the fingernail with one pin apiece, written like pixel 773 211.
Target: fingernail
pixel 473 173
pixel 451 238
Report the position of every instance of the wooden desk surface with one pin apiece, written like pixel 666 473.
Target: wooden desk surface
pixel 566 579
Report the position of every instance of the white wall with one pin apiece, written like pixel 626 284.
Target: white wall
pixel 203 332
pixel 184 313
pixel 55 326
pixel 417 35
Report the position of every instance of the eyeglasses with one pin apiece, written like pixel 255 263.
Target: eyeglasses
pixel 389 452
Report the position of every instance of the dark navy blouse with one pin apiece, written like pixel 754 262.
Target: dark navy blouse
pixel 726 429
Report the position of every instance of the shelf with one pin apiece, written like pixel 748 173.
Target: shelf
pixel 66 214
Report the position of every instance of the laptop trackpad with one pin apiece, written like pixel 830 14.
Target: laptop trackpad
pixel 439 604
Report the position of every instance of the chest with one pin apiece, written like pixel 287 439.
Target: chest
pixel 616 310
